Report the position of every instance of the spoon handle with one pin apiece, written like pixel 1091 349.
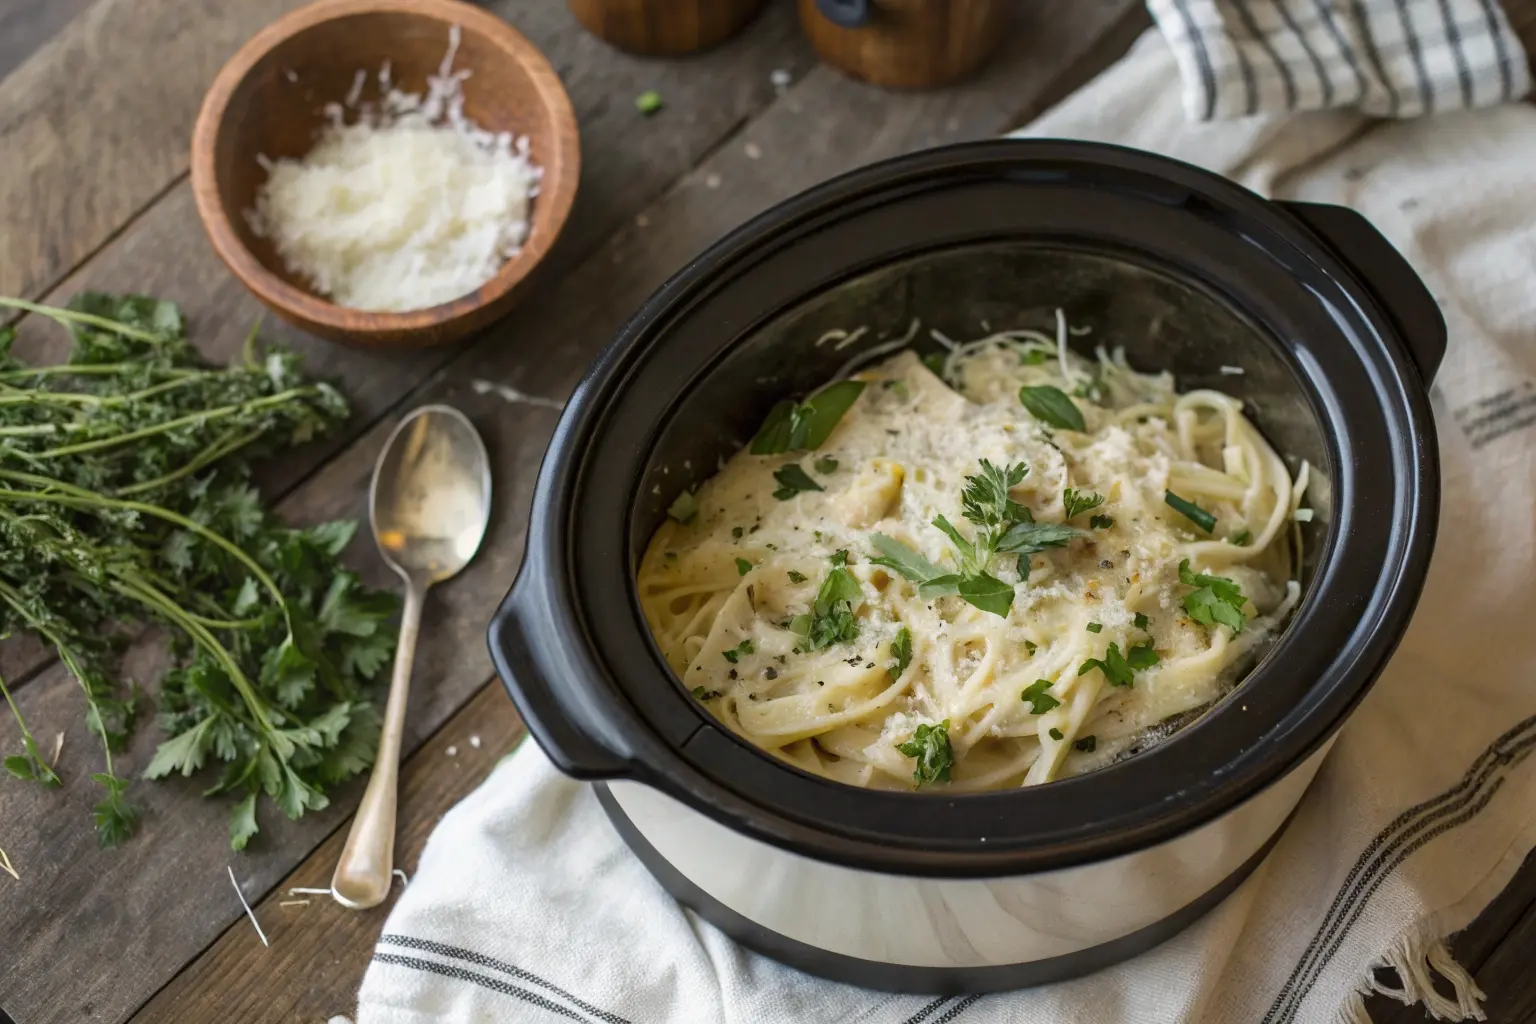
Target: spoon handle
pixel 362 875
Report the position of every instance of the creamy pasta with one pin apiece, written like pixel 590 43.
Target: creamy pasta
pixel 961 581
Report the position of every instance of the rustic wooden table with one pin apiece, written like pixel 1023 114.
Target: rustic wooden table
pixel 97 99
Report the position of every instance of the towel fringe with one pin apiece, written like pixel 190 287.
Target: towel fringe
pixel 1416 958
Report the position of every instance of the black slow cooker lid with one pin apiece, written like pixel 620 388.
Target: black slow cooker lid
pixel 1327 304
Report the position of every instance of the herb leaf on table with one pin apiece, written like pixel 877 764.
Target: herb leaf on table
pixel 125 500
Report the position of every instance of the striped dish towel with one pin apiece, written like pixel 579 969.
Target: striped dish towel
pixel 1387 58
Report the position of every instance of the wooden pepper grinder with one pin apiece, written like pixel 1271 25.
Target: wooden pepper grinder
pixel 664 28
pixel 904 44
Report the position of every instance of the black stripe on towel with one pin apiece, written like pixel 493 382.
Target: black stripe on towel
pixel 1202 57
pixel 481 960
pixel 1506 73
pixel 494 984
pixel 956 1010
pixel 1391 846
pixel 1345 50
pixel 927 1011
pixel 1372 54
pixel 1324 80
pixel 1262 38
pixel 1426 94
pixel 1453 36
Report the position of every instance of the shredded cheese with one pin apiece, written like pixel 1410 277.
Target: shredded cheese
pixel 409 205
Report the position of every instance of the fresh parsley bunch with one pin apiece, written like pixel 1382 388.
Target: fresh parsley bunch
pixel 125 499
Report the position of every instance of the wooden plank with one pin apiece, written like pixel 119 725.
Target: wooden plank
pixel 25 25
pixel 628 161
pixel 321 950
pixel 91 138
pixel 1509 976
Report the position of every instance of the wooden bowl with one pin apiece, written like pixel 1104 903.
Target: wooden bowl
pixel 269 99
pixel 905 44
pixel 664 28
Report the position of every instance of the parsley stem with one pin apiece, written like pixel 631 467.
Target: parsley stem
pixel 191 419
pixel 209 455
pixel 145 594
pixel 78 497
pixel 95 370
pixel 71 316
pixel 49 777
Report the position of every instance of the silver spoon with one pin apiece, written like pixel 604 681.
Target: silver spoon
pixel 428 505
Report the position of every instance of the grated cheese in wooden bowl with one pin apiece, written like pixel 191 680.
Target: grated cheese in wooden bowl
pixel 411 205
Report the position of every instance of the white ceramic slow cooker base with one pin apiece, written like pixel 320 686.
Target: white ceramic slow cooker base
pixel 981 934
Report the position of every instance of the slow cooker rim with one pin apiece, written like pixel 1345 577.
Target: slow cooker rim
pixel 1400 589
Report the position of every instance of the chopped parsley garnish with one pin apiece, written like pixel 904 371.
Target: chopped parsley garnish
pixel 648 102
pixel 839 557
pixel 929 747
pixel 1140 621
pixel 685 508
pixel 745 647
pixel 1039 701
pixel 1241 537
pixel 1094 627
pixel 898 388
pixel 1215 599
pixel 901 651
pixel 1051 406
pixel 1087 744
pixel 1197 515
pixel 793 426
pixel 1054 734
pixel 830 620
pixel 792 480
pixel 743 566
pixel 1119 668
pixel 1003 526
pixel 1101 522
pixel 826 464
pixel 1035 357
pixel 699 693
pixel 934 361
pixel 1029 645
pixel 797 577
pixel 1077 502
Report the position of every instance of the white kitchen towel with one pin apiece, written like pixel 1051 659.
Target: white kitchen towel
pixel 1390 58
pixel 527 908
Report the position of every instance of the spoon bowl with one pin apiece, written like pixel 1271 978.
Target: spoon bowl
pixel 429 505
pixel 431 494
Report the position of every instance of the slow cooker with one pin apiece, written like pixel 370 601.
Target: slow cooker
pixel 1304 311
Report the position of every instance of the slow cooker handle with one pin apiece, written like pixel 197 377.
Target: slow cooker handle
pixel 553 719
pixel 1383 270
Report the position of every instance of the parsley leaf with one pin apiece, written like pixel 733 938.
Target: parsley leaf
pixel 732 655
pixel 932 581
pixel 1077 502
pixel 792 426
pixel 831 619
pixel 792 480
pixel 1039 701
pixel 1087 744
pixel 1194 513
pixel 1119 668
pixel 1101 522
pixel 743 566
pixel 1055 734
pixel 796 577
pixel 1241 537
pixel 985 500
pixel 929 747
pixel 1032 538
pixel 1215 599
pixel 1140 621
pixel 826 465
pixel 1051 406
pixel 987 592
pixel 1094 627
pixel 901 652
pixel 684 508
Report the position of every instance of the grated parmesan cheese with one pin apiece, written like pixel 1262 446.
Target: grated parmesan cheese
pixel 408 206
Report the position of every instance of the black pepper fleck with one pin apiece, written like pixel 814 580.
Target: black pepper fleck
pixel 771 672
